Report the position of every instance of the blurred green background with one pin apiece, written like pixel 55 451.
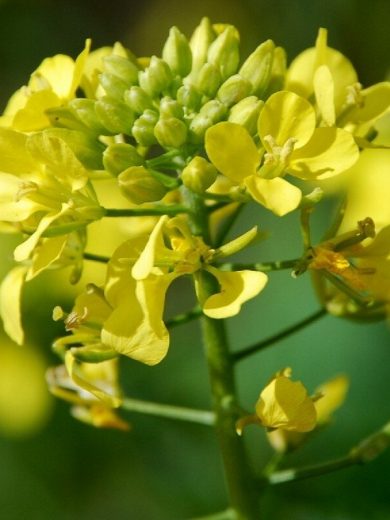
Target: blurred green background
pixel 164 470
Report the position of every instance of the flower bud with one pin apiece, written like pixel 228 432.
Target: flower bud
pixel 138 185
pixel 156 78
pixel 122 68
pixel 177 53
pixel 233 90
pixel 120 156
pixel 199 174
pixel 257 67
pixel 278 72
pixel 113 86
pixel 246 113
pixel 189 97
pixel 143 128
pixel 171 108
pixel 84 110
pixel 224 52
pixel 115 116
pixel 170 132
pixel 208 80
pixel 137 99
pixel 64 117
pixel 214 110
pixel 198 127
pixel 200 42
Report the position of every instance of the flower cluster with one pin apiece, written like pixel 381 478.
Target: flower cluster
pixel 185 139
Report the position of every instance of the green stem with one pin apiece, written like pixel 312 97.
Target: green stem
pixel 169 411
pixel 228 514
pixel 257 347
pixel 185 317
pixel 96 258
pixel 171 210
pixel 258 266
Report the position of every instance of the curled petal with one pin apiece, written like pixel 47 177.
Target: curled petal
pixel 232 151
pixel 286 115
pixel 236 288
pixel 145 263
pixel 330 152
pixel 10 296
pixel 277 195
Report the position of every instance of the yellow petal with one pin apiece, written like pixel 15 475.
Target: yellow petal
pixel 376 100
pixel 13 154
pixel 79 67
pixel 33 116
pixel 55 72
pixel 324 92
pixel 232 151
pixel 10 303
pixel 286 115
pixel 330 151
pixel 277 195
pixel 235 289
pixel 13 208
pixel 145 263
pixel 285 404
pixel 47 253
pixel 99 416
pixel 333 395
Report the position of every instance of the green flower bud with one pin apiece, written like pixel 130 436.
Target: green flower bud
pixel 189 97
pixel 143 128
pixel 208 80
pixel 64 117
pixel 138 185
pixel 156 78
pixel 113 85
pixel 224 52
pixel 122 68
pixel 278 72
pixel 84 109
pixel 246 113
pixel 198 127
pixel 233 90
pixel 200 42
pixel 138 100
pixel 171 108
pixel 199 174
pixel 115 116
pixel 257 67
pixel 170 132
pixel 214 110
pixel 120 156
pixel 177 53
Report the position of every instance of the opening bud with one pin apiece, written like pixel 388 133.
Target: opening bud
pixel 214 110
pixel 258 66
pixel 189 97
pixel 156 78
pixel 122 68
pixel 113 86
pixel 208 80
pixel 171 108
pixel 199 174
pixel 200 42
pixel 84 109
pixel 224 52
pixel 138 185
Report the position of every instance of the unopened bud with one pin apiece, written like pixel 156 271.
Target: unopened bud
pixel 114 115
pixel 200 42
pixel 258 66
pixel 215 110
pixel 143 128
pixel 137 99
pixel 198 127
pixel 120 156
pixel 122 68
pixel 84 110
pixel 64 117
pixel 188 96
pixel 138 185
pixel 278 72
pixel 113 86
pixel 156 78
pixel 234 89
pixel 246 113
pixel 224 52
pixel 199 174
pixel 177 53
pixel 170 108
pixel 208 80
pixel 170 132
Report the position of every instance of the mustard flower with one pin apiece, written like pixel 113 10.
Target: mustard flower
pixel 291 144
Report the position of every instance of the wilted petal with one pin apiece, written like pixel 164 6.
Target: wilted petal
pixel 232 151
pixel 235 289
pixel 10 303
pixel 330 151
pixel 277 195
pixel 286 115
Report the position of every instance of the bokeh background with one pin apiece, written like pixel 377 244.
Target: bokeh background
pixel 51 466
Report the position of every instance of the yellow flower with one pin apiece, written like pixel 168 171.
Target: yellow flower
pixel 291 145
pixel 283 404
pixel 51 85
